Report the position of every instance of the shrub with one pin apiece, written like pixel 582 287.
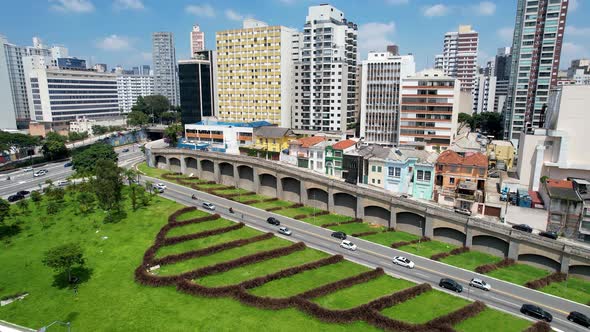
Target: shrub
pixel 539 327
pixel 344 283
pixel 354 221
pixel 300 216
pixel 542 282
pixel 271 199
pixel 487 268
pixel 182 238
pixel 252 201
pixel 405 243
pixel 456 251
pixel 276 208
pixel 458 316
pixel 365 233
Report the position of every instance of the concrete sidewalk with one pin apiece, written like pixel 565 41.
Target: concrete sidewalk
pixel 9 327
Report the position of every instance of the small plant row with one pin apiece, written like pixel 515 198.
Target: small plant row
pixel 539 327
pixel 487 268
pixel 303 216
pixel 545 281
pixel 373 232
pixel 406 243
pixel 353 221
pixel 454 252
pixel 277 208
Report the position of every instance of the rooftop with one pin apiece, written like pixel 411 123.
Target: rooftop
pixel 273 132
pixel 255 124
pixel 472 159
pixel 562 189
pixel 344 144
pixel 306 142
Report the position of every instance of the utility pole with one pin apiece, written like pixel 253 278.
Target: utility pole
pixel 66 324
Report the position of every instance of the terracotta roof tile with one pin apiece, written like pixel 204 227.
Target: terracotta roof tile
pixel 344 144
pixel 306 142
pixel 476 159
pixel 472 159
pixel 559 183
pixel 449 157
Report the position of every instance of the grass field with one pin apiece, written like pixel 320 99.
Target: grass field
pixel 574 289
pixel 388 238
pixel 427 249
pixel 413 311
pixel 150 171
pixel 231 191
pixel 519 273
pixel 292 212
pixel 357 227
pixel 199 227
pixel 191 215
pixel 245 198
pixel 327 219
pixel 470 260
pixel 502 322
pixel 271 204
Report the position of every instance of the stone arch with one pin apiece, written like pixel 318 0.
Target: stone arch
pixel 246 175
pixel 411 223
pixel 191 165
pixel 539 261
pixel 491 245
pixel 174 165
pixel 207 170
pixel 291 189
pixel 317 198
pixel 268 185
pixel 226 174
pixel 377 215
pixel 581 271
pixel 161 162
pixel 345 204
pixel 449 235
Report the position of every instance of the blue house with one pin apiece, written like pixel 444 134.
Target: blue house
pixel 409 171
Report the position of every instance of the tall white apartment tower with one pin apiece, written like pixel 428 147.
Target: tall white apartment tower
pixel 536 52
pixel 197 40
pixel 325 78
pixel 381 94
pixel 165 67
pixel 459 58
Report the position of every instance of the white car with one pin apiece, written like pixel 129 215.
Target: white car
pixel 478 283
pixel 160 185
pixel 285 231
pixel 40 173
pixel 158 189
pixel 28 169
pixel 63 183
pixel 348 245
pixel 402 261
pixel 209 206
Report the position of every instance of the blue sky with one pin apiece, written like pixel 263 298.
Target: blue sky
pixel 119 31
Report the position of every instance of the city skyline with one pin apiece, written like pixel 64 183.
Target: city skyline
pixel 127 39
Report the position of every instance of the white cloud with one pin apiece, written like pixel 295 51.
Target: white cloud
pixel 375 36
pixel 397 2
pixel 485 8
pixel 575 31
pixel 114 43
pixel 235 16
pixel 506 34
pixel 204 10
pixel 435 10
pixel 74 6
pixel 128 4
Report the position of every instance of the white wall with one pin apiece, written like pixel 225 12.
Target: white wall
pixel 7 109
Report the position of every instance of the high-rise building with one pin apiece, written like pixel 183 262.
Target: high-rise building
pixel 536 52
pixel 459 58
pixel 165 67
pixel 381 94
pixel 197 40
pixel 502 64
pixel 198 84
pixel 130 87
pixel 135 70
pixel 325 82
pixel 393 49
pixel 430 110
pixel 484 90
pixel 145 70
pixel 255 73
pixel 100 67
pixel 7 109
pixel 71 63
pixel 579 71
pixel 438 61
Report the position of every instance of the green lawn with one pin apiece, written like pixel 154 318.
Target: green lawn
pixel 357 227
pixel 388 238
pixel 245 198
pixel 363 293
pixel 252 271
pixel 574 289
pixel 427 249
pixel 292 212
pixel 519 273
pixel 151 172
pixel 425 307
pixel 501 322
pixel 271 204
pixel 327 219
pixel 205 186
pixel 191 215
pixel 223 256
pixel 199 227
pixel 231 191
pixel 307 280
pixel 470 260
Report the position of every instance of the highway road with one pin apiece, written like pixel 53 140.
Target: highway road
pixel 503 296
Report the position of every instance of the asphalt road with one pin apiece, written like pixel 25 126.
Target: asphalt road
pixel 504 296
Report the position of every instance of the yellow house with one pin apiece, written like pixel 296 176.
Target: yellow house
pixel 376 172
pixel 501 151
pixel 273 139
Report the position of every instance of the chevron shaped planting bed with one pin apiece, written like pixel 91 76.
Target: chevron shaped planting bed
pixel 208 256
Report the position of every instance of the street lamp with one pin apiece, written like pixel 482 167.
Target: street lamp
pixel 66 324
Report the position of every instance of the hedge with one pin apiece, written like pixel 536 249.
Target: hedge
pixel 405 243
pixel 539 327
pixel 542 282
pixel 487 268
pixel 456 251
pixel 459 315
pixel 354 221
pixel 177 239
pixel 365 233
pixel 342 284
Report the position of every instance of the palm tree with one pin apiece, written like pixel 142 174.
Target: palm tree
pixel 130 175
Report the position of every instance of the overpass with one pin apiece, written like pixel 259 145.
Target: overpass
pixel 373 205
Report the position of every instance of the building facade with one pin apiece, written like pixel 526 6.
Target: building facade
pixel 197 80
pixel 130 87
pixel 271 138
pixel 334 157
pixel 165 68
pixel 430 110
pixel 197 40
pixel 325 81
pixel 219 136
pixel 381 94
pixel 459 58
pixel 484 90
pixel 255 73
pixel 536 53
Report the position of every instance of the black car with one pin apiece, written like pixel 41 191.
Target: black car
pixel 339 235
pixel 273 221
pixel 68 164
pixel 15 197
pixel 523 228
pixel 579 318
pixel 125 150
pixel 23 192
pixel 536 312
pixel 451 285
pixel 549 234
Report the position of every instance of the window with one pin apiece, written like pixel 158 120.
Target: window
pixel 390 171
pixel 373 168
pixel 427 175
pixel 452 180
pixel 372 180
pixel 378 181
pixel 398 172
pixel 379 169
pixel 420 175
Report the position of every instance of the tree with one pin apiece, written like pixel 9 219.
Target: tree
pixel 52 207
pixel 99 130
pixel 464 119
pixel 20 142
pixel 490 123
pixel 54 146
pixel 36 197
pixel 85 160
pixel 23 205
pixel 149 185
pixel 4 210
pixel 76 136
pixel 155 106
pixel 172 132
pixel 130 175
pixel 64 257
pixel 108 185
pixel 171 117
pixel 137 119
pixel 85 201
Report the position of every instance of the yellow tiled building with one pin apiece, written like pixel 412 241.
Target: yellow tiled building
pixel 273 139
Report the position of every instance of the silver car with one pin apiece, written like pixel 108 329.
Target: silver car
pixel 478 283
pixel 285 231
pixel 209 206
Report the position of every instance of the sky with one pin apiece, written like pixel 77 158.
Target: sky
pixel 118 32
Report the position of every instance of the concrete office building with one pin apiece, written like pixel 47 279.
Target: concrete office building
pixel 484 90
pixel 536 52
pixel 579 71
pixel 165 67
pixel 197 81
pixel 255 73
pixel 7 108
pixel 502 64
pixel 431 102
pixel 197 40
pixel 130 87
pixel 325 82
pixel 100 67
pixel 459 58
pixel 381 96
pixel 71 63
